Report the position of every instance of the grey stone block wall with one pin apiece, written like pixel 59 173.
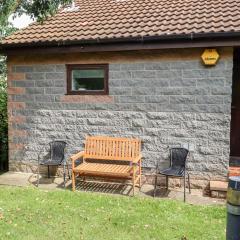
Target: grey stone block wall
pixel 165 103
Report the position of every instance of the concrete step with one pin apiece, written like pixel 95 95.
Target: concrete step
pixel 218 186
pixel 218 189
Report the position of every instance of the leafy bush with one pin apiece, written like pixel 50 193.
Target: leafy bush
pixel 5 30
pixel 3 114
pixel 3 108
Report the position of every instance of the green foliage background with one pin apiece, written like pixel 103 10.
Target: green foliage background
pixel 3 102
pixel 37 9
pixel 6 29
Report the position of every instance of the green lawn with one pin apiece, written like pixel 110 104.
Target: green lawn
pixel 32 214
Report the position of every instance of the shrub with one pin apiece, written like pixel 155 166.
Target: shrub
pixel 5 30
pixel 3 109
pixel 3 114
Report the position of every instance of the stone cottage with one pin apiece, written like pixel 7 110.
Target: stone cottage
pixel 129 68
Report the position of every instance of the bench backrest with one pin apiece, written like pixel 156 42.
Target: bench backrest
pixel 112 148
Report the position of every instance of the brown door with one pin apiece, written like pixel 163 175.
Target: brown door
pixel 235 122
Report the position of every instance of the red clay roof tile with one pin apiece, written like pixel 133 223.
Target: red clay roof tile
pixel 106 19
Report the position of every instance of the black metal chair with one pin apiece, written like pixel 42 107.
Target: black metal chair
pixel 177 168
pixel 56 158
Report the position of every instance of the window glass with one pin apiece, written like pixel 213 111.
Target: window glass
pixel 87 80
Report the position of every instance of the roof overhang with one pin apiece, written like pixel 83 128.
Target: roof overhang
pixel 223 39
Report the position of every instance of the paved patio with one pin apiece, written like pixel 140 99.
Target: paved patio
pixel 29 179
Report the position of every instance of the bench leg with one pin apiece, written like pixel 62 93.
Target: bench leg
pixel 134 179
pixel 73 181
pixel 140 174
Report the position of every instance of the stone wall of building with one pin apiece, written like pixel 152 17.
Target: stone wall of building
pixel 164 101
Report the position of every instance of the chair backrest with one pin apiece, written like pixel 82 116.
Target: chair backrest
pixel 57 150
pixel 178 157
pixel 112 148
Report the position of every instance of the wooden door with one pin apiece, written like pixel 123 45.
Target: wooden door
pixel 235 122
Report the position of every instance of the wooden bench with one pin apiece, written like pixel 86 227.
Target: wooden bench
pixel 109 154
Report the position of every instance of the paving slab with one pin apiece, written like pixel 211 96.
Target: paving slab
pixel 195 198
pixel 26 179
pixel 15 179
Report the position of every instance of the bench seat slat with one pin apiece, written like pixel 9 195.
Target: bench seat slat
pixel 103 169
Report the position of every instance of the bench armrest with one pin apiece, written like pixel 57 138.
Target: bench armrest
pixel 137 159
pixel 75 157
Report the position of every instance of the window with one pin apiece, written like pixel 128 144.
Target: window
pixel 87 79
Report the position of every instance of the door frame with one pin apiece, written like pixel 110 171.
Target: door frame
pixel 235 158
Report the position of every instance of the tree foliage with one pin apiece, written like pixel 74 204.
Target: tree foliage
pixel 37 9
pixel 5 30
pixel 3 107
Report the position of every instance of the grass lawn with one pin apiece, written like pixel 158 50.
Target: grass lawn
pixel 33 214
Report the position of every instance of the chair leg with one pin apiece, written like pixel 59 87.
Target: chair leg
pixel 184 185
pixel 38 172
pixel 73 181
pixel 64 175
pixel 155 186
pixel 48 172
pixel 69 176
pixel 167 182
pixel 189 185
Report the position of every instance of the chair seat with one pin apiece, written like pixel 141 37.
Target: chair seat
pixel 173 171
pixel 101 169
